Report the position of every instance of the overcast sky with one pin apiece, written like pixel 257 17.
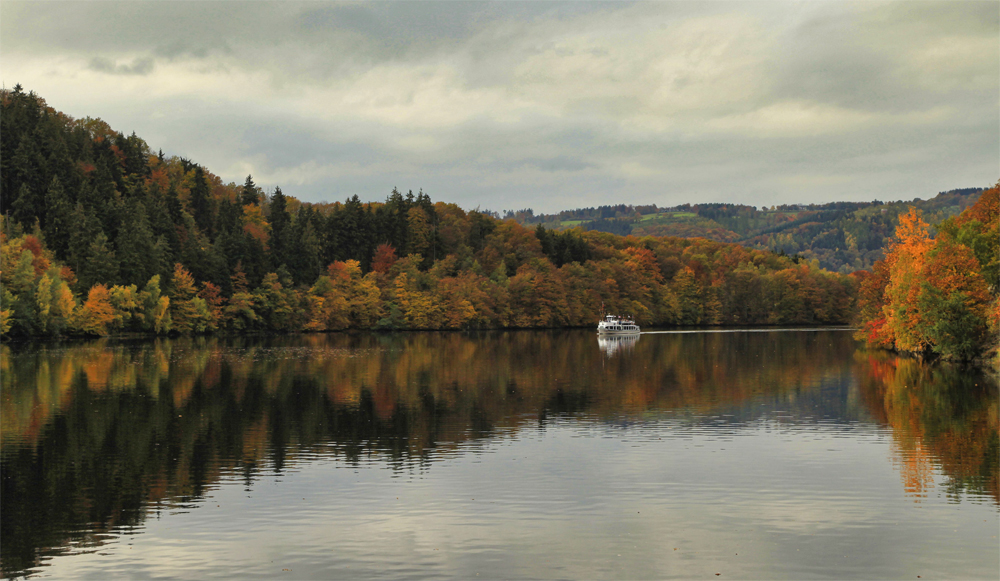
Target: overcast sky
pixel 536 104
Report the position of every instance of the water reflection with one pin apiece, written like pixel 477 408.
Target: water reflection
pixel 612 343
pixel 941 417
pixel 95 435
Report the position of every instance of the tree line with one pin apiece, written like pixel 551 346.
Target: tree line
pixel 101 235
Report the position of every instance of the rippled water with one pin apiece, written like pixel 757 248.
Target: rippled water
pixel 779 454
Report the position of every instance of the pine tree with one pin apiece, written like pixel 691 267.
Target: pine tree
pixel 279 219
pixel 250 196
pixel 228 217
pixel 25 206
pixel 106 201
pixel 304 259
pixel 201 202
pixel 101 266
pixel 136 250
pixel 84 228
pixel 58 210
pixel 27 169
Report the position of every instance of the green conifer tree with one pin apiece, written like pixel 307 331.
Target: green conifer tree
pixel 101 266
pixel 58 226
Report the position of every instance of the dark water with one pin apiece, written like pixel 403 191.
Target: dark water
pixel 502 455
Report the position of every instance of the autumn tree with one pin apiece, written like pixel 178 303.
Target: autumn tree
pixel 188 312
pixel 239 313
pixel 96 314
pixel 931 295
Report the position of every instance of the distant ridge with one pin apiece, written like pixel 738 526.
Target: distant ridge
pixel 843 236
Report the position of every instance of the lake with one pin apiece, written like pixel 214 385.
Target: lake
pixel 526 454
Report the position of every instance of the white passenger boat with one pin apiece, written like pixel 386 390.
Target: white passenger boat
pixel 615 325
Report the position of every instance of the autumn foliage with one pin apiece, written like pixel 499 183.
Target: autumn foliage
pixel 177 250
pixel 937 295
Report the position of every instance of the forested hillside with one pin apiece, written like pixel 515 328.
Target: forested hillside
pixel 103 234
pixel 843 236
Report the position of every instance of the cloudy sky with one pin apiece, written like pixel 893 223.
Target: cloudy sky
pixel 537 104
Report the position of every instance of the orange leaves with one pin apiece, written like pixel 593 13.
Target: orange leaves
pixel 538 297
pixel 385 257
pixel 952 267
pixel 905 260
pixel 911 235
pixel 255 224
pixel 96 313
pixel 342 272
pixel 257 232
pixel 212 295
pixel 183 284
pixel 40 262
pixel 458 311
pixel 470 298
pixel 157 175
pixel 928 294
pixel 986 210
pixel 119 154
pixel 328 309
pixel 645 261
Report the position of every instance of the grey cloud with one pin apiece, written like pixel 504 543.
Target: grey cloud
pixel 935 18
pixel 561 163
pixel 60 27
pixel 177 50
pixel 139 66
pixel 416 24
pixel 558 145
pixel 823 61
pixel 852 58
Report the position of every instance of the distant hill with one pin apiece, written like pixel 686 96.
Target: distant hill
pixel 843 236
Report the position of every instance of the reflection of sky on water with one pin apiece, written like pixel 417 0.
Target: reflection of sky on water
pixel 574 500
pixel 743 467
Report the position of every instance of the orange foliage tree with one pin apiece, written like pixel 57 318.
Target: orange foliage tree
pixel 96 314
pixel 937 295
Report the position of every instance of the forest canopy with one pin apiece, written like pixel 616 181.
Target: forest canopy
pixel 101 234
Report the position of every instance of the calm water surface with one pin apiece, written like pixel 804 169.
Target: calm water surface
pixel 535 454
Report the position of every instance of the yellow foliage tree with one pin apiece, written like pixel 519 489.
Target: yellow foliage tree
pixel 96 314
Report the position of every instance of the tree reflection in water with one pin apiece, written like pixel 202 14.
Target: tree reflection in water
pixel 96 435
pixel 942 417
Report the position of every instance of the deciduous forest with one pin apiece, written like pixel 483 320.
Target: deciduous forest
pixel 103 235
